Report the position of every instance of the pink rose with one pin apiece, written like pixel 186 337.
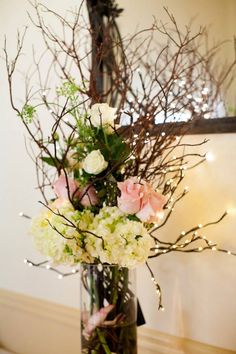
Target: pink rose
pixel 131 195
pixel 152 205
pixel 88 196
pixel 140 199
pixel 61 189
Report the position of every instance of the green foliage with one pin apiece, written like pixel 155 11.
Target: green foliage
pixel 86 133
pixel 68 89
pixel 138 236
pixel 27 113
pixel 133 218
pixel 82 177
pixel 112 146
pixel 68 250
pixel 50 161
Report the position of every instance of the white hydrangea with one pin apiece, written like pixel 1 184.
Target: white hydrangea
pixel 120 240
pixel 51 243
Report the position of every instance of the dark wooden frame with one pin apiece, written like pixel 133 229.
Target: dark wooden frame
pixel 201 126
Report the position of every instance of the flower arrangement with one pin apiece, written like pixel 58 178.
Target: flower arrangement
pixel 110 177
pixel 99 214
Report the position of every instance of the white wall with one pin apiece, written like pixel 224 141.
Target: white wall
pixel 199 290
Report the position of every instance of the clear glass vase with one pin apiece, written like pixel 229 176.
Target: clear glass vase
pixel 108 310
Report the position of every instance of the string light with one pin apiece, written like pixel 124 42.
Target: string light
pixel 158 289
pixel 210 156
pixel 182 83
pixel 205 91
pixel 22 215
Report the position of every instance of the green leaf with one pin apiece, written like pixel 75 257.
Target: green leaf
pixel 133 218
pixel 112 146
pixel 68 250
pixel 50 161
pixel 138 236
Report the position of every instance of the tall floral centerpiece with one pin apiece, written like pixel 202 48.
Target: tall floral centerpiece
pixel 100 216
pixel 110 177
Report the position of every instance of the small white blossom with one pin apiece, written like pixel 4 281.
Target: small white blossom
pixel 94 163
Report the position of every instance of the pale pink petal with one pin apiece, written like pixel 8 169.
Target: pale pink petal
pixel 146 213
pixel 131 193
pixel 88 196
pixel 60 187
pixel 157 201
pixel 129 206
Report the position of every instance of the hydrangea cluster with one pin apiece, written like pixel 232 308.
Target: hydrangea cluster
pixel 121 241
pixel 108 237
pixel 57 238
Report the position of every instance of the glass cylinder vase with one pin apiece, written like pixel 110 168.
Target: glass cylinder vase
pixel 108 310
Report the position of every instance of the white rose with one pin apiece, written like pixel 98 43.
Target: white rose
pixel 103 115
pixel 94 163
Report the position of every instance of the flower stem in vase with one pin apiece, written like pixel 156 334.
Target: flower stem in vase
pixel 109 320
